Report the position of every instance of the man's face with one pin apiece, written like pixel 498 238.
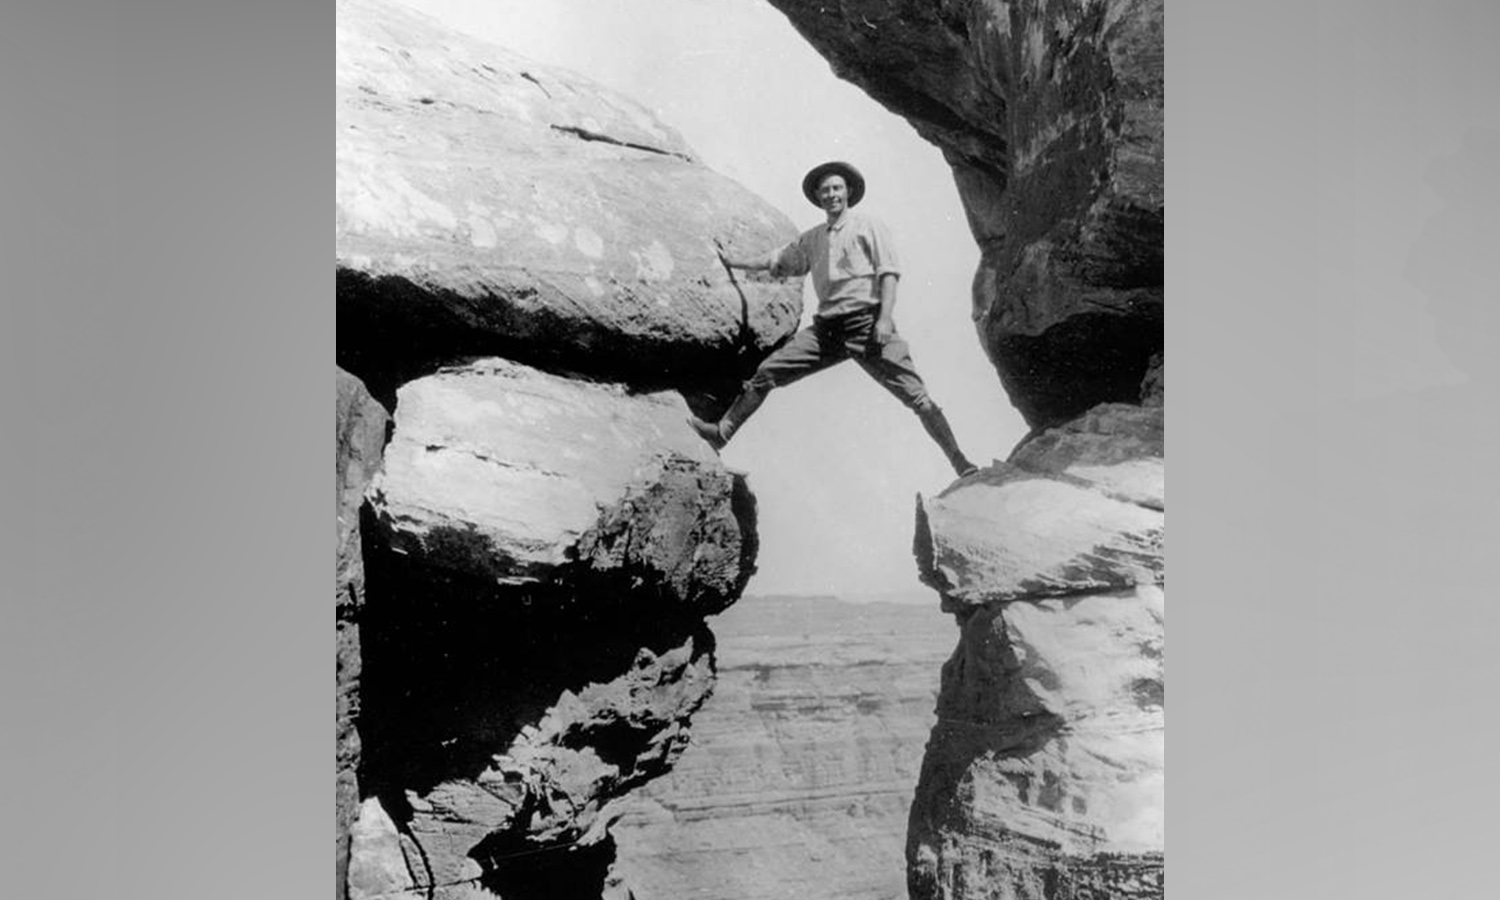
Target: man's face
pixel 833 194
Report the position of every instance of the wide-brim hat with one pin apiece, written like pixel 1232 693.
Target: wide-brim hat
pixel 852 178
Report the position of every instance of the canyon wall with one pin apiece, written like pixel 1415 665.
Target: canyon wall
pixel 1043 776
pixel 802 769
pixel 530 536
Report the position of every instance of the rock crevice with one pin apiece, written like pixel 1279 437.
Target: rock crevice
pixel 1042 779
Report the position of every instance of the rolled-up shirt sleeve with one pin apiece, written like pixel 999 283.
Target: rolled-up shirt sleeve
pixel 881 249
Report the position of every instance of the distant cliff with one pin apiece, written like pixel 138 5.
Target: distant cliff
pixel 1044 774
pixel 527 304
pixel 802 767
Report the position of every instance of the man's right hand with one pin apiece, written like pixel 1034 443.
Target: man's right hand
pixel 723 257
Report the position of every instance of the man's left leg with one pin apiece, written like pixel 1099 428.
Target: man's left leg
pixel 895 372
pixel 807 352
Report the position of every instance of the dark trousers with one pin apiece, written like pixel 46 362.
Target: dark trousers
pixel 830 341
pixel 833 340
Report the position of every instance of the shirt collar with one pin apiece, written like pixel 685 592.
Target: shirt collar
pixel 838 223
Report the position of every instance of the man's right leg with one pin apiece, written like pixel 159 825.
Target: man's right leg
pixel 895 371
pixel 803 355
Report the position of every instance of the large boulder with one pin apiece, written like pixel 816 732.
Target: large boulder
pixel 486 205
pixel 1076 508
pixel 515 476
pixel 359 436
pixel 1051 115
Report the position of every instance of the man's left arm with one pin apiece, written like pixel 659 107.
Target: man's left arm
pixel 883 259
pixel 885 324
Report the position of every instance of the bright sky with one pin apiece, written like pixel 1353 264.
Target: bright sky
pixel 835 462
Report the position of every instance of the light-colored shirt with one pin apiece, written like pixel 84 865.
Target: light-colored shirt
pixel 845 260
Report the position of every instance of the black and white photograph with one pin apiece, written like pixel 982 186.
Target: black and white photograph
pixel 750 440
pixel 751 450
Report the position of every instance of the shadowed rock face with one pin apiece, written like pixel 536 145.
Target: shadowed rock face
pixel 1050 113
pixel 487 205
pixel 501 735
pixel 359 436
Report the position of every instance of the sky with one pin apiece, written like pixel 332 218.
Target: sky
pixel 835 462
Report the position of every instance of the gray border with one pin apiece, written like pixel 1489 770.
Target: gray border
pixel 1333 642
pixel 166 341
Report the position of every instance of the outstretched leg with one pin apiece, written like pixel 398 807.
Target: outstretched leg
pixel 894 370
pixel 718 433
pixel 807 352
pixel 941 432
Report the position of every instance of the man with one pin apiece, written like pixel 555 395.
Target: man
pixel 854 270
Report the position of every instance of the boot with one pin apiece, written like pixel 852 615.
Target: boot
pixel 718 433
pixel 940 431
pixel 709 431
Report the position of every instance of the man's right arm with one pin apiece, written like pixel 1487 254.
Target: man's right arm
pixel 758 263
pixel 781 263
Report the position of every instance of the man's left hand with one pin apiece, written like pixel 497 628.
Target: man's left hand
pixel 885 329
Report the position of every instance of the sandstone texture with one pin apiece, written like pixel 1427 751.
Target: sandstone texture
pixel 1044 774
pixel 801 769
pixel 505 774
pixel 359 436
pixel 524 478
pixel 487 205
pixel 1077 508
pixel 1051 114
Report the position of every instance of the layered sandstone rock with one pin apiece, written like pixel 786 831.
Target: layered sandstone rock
pixel 801 769
pixel 1044 776
pixel 1050 112
pixel 487 205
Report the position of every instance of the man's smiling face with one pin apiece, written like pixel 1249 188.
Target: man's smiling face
pixel 833 194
